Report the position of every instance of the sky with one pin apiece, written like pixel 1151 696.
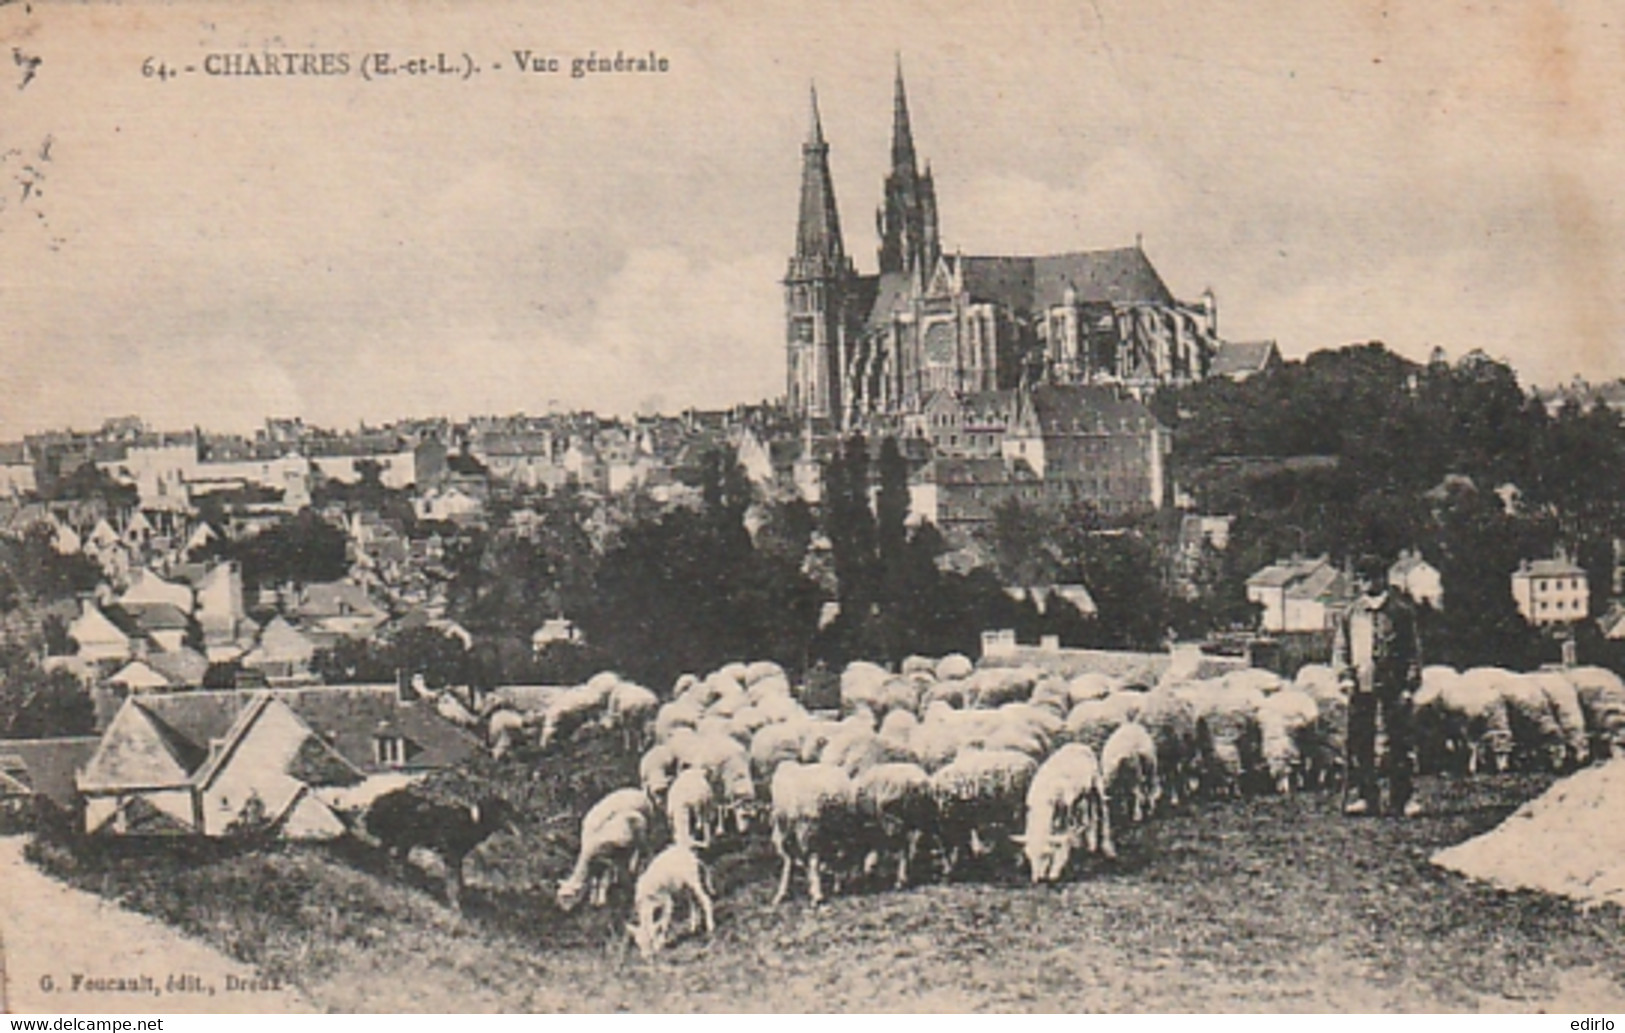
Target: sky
pixel 213 250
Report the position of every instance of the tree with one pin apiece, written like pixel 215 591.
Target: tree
pixel 37 705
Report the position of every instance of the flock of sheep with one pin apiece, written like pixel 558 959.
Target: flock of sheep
pixel 941 764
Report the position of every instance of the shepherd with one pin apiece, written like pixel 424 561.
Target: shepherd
pixel 1377 654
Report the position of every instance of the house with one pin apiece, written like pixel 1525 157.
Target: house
pixel 138 676
pixel 207 763
pixel 148 588
pixel 1419 579
pixel 1093 443
pixel 554 629
pixel 41 773
pixel 1551 591
pixel 164 625
pixel 1299 595
pixel 283 655
pixel 97 637
pixel 1239 360
pixel 338 608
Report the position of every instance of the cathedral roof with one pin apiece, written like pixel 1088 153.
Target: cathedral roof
pixel 1122 276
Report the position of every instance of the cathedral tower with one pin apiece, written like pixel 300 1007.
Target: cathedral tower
pixel 907 221
pixel 815 290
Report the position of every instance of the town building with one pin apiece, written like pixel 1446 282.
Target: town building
pixel 1299 595
pixel 1551 591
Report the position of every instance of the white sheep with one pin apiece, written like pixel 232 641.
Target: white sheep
pixel 1287 721
pixel 979 799
pixel 683 712
pixel 955 692
pixel 1474 720
pixel 917 664
pixel 1602 698
pixel 760 671
pixel 1091 685
pixel 1128 765
pixel 630 709
pixel 675 876
pixel 571 710
pixel 656 770
pixel 774 744
pixel 994 686
pixel 1320 681
pixel 1170 717
pixel 505 729
pixel 813 811
pixel 1066 810
pixel 896 811
pixel 1256 678
pixel 954 666
pixel 1537 738
pixel 614 837
pixel 691 808
pixel 1229 740
pixel 1567 711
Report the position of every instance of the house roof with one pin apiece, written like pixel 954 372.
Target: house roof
pixel 95 626
pixel 1236 358
pixel 336 599
pixel 1551 568
pixel 281 642
pixel 1086 409
pixel 1121 276
pixel 49 766
pixel 165 739
pixel 183 667
pixel 156 616
pixel 137 674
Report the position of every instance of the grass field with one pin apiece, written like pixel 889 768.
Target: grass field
pixel 1267 904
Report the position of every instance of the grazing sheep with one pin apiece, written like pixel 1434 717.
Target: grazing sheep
pixel 861 684
pixel 995 686
pixel 917 664
pixel 675 876
pixel 774 744
pixel 1018 731
pixel 777 709
pixel 1319 681
pixel 938 739
pixel 691 809
pixel 505 729
pixel 812 818
pixel 1474 725
pixel 1051 693
pixel 956 692
pixel 1093 721
pixel 898 693
pixel 630 709
pixel 735 672
pixel 684 712
pixel 896 812
pixel 745 724
pixel 1128 766
pixel 656 770
pixel 614 838
pixel 1537 738
pixel 979 800
pixel 1170 717
pixel 1287 722
pixel 954 666
pixel 761 671
pixel 570 711
pixel 1066 811
pixel 1228 738
pixel 774 686
pixel 1570 716
pixel 1602 699
pixel 1091 685
pixel 402 819
pixel 853 748
pixel 1256 678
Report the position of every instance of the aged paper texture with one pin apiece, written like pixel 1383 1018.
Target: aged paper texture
pixel 259 260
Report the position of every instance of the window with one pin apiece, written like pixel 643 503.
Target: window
pixel 390 749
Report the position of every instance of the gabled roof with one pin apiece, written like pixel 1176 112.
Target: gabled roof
pixel 50 766
pixel 1240 358
pixel 137 675
pixel 1551 568
pixel 1086 409
pixel 336 599
pixel 93 625
pixel 281 642
pixel 1119 276
pixel 183 667
pixel 151 617
pixel 138 750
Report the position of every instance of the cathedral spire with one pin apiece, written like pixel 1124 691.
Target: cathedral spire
pixel 818 232
pixel 902 137
pixel 907 219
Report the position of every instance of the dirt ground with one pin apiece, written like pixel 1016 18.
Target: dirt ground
pixel 1265 904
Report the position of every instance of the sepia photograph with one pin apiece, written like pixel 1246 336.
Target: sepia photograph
pixel 725 507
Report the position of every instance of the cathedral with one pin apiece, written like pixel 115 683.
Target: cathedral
pixel 867 349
